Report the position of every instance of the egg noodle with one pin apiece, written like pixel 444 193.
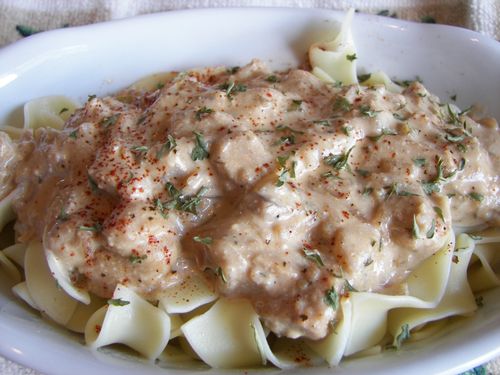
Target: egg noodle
pixel 191 320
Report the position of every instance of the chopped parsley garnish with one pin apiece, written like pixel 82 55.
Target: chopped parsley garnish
pixel 200 113
pixel 338 161
pixel 367 191
pixel 322 122
pixel 284 127
pixel 383 132
pixel 348 286
pixel 398 116
pixel 168 146
pixel 137 259
pixel 439 212
pixel 366 110
pixel 479 301
pixel 461 147
pixel 432 229
pixel 181 202
pixel 63 215
pixel 204 240
pixel 117 302
pixel 332 298
pixel 92 183
pixel 160 85
pixel 296 105
pixel 363 172
pixel 314 256
pixel 452 116
pixel 161 208
pixel 369 260
pixel 419 162
pixel 351 57
pixel 73 134
pixel 286 139
pixel 461 164
pixel 219 272
pixel 25 31
pixel 233 70
pixel 140 149
pixel 200 151
pixel 475 237
pixel 109 121
pixel 394 189
pixel 415 231
pixel 232 88
pixel 364 77
pixel 432 186
pixel 272 79
pixel 285 172
pixel 346 130
pixel 341 104
pixel 95 228
pixel 428 19
pixel 476 196
pixel 63 110
pixel 403 335
pixel 454 138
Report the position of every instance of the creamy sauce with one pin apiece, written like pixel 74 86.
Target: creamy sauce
pixel 298 187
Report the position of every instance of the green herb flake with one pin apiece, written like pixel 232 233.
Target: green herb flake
pixel 296 105
pixel 73 134
pixel 363 172
pixel 419 162
pixel 453 97
pixel 322 122
pixel 332 298
pixel 454 138
pixel 369 260
pixel 348 286
pixel 140 149
pixel 168 146
pixel 475 237
pixel 200 113
pixel 476 196
pixel 285 127
pixel 63 215
pixel 219 272
pixel 117 302
pixel 338 161
pixel 461 164
pixel 232 88
pixel 63 110
pixel 200 150
pixel 415 231
pixel 91 97
pixel 341 104
pixel 92 183
pixel 479 301
pixel 351 57
pixel 383 132
pixel 161 208
pixel 366 111
pixel 403 335
pixel 432 230
pixel 399 117
pixel 346 130
pixel 204 240
pixel 364 77
pixel 439 212
pixel 109 121
pixel 137 259
pixel 272 79
pixel 95 228
pixel 462 148
pixel 367 191
pixel 25 31
pixel 314 256
pixel 428 19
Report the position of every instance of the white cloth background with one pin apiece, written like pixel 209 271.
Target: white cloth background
pixel 480 15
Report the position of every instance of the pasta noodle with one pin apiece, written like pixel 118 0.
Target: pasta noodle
pixel 197 317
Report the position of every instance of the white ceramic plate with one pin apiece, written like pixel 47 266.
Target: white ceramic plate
pixel 102 58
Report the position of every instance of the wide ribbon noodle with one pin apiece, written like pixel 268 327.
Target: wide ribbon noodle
pixel 189 322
